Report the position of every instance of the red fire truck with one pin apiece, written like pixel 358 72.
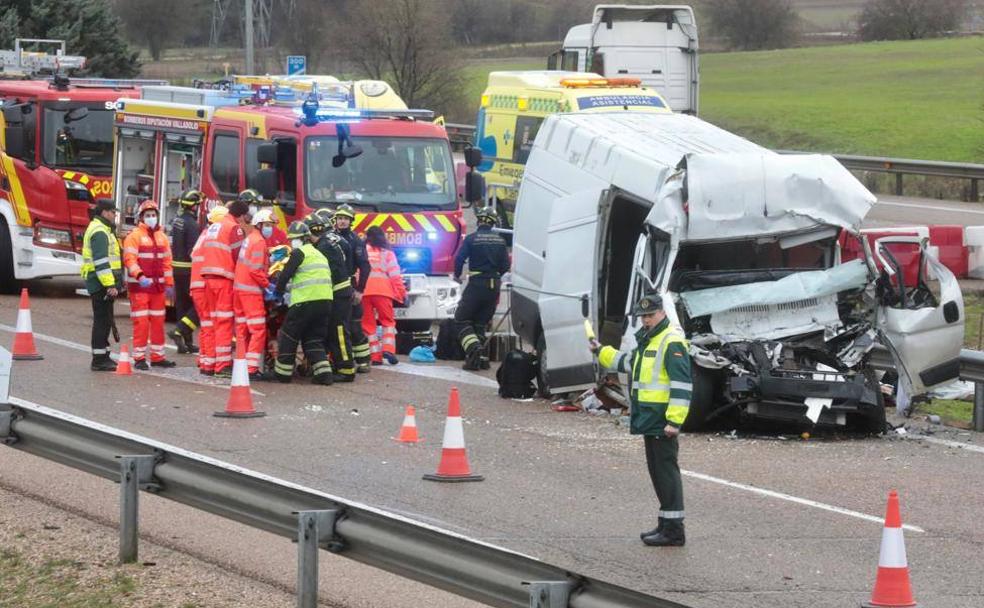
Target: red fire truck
pixel 305 158
pixel 57 157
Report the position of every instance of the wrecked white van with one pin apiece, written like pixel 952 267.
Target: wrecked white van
pixel 745 243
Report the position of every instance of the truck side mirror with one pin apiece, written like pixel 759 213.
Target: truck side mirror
pixel 266 183
pixel 474 187
pixel 267 153
pixel 14 144
pixel 473 157
pixel 554 59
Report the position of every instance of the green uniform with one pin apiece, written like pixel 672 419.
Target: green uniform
pixel 101 269
pixel 659 371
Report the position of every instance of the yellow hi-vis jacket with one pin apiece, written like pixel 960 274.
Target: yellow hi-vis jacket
pixel 660 379
pixel 101 264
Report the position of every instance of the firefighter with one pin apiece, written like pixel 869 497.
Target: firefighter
pixel 257 203
pixel 206 338
pixel 150 281
pixel 384 287
pixel 102 271
pixel 488 259
pixel 337 251
pixel 221 250
pixel 184 234
pixel 308 277
pixel 250 284
pixel 359 271
pixel 659 370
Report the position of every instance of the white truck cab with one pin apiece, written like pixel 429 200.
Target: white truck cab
pixel 744 245
pixel 655 43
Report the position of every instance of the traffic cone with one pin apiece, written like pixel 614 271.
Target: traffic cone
pixel 24 349
pixel 454 460
pixel 240 404
pixel 123 367
pixel 892 586
pixel 408 432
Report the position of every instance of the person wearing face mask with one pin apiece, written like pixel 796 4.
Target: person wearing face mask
pixel 150 280
pixel 206 337
pixel 276 235
pixel 251 281
pixel 220 250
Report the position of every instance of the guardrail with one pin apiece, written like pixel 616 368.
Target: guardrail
pixel 469 568
pixel 462 135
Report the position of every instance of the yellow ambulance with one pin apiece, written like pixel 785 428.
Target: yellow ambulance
pixel 515 104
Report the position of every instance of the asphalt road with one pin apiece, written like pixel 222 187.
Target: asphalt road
pixel 771 522
pixel 908 211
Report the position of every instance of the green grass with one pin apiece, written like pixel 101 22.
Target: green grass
pixel 58 584
pixel 918 99
pixel 973 317
pixel 952 413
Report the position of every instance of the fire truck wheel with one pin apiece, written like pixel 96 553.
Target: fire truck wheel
pixel 8 285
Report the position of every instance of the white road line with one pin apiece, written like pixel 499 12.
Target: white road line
pixel 85 349
pixel 802 501
pixel 949 443
pixel 933 207
pixel 440 372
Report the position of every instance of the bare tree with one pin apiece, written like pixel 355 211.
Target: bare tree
pixel 909 19
pixel 155 23
pixel 754 24
pixel 406 43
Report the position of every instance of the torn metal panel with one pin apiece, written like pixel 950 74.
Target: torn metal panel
pixel 793 288
pixel 770 321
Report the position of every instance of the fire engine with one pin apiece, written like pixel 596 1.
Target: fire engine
pixel 394 167
pixel 57 157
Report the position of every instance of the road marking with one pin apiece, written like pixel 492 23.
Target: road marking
pixel 86 349
pixel 933 207
pixel 440 372
pixel 802 501
pixel 949 443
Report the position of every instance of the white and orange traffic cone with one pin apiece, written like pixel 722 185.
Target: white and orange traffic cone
pixel 408 432
pixel 24 349
pixel 123 365
pixel 240 404
pixel 454 459
pixel 892 587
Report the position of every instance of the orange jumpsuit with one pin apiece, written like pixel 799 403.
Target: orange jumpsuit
pixel 220 250
pixel 147 253
pixel 385 285
pixel 251 280
pixel 206 337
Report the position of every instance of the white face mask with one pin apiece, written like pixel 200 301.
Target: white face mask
pixel 151 221
pixel 266 231
pixel 296 243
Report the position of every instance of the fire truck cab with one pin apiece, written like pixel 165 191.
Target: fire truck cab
pixel 57 157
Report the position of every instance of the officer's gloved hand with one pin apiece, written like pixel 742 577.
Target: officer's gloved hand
pixel 145 281
pixel 270 294
pixel 594 346
pixel 169 293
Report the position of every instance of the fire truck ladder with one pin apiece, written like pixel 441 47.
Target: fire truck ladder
pixel 29 63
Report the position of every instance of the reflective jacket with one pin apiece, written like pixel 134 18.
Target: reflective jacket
pixel 659 372
pixel 197 261
pixel 251 268
pixel 221 248
pixel 147 253
pixel 101 263
pixel 312 279
pixel 384 275
pixel 184 234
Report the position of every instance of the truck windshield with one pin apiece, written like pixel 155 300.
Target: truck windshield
pixel 390 174
pixel 78 135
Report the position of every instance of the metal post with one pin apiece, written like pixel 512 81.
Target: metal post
pixel 313 527
pixel 134 472
pixel 979 407
pixel 249 36
pixel 549 594
pixel 898 184
pixel 973 191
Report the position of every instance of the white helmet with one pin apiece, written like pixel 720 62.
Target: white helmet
pixel 264 215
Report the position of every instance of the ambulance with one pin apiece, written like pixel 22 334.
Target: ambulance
pixel 515 104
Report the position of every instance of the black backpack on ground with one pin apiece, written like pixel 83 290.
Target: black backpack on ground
pixel 516 374
pixel 448 346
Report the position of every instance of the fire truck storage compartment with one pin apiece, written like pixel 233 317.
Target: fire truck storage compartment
pixel 136 173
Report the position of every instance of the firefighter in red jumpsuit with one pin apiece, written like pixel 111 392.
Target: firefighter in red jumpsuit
pixel 150 279
pixel 221 250
pixel 251 281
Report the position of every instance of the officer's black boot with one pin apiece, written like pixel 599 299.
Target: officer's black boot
pixel 473 359
pixel 672 535
pixel 656 530
pixel 102 363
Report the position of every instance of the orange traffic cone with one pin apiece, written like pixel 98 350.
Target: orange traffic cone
pixel 892 586
pixel 123 367
pixel 454 460
pixel 408 432
pixel 24 349
pixel 240 404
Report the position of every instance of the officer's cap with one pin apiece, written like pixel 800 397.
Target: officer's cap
pixel 648 304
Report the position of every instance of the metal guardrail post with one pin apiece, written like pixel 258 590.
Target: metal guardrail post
pixel 313 528
pixel 549 594
pixel 898 184
pixel 979 407
pixel 134 472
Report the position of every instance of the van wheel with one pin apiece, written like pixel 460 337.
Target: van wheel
pixel 8 284
pixel 542 388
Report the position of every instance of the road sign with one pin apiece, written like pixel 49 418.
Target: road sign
pixel 296 65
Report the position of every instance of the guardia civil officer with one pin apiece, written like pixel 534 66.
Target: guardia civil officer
pixel 102 269
pixel 659 371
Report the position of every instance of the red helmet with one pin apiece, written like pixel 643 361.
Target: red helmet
pixel 147 206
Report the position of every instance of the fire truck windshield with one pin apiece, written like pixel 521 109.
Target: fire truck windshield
pixel 391 172
pixel 78 136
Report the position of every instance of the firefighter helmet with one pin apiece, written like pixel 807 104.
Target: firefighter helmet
pixel 264 215
pixel 147 206
pixel 345 210
pixel 487 215
pixel 314 223
pixel 298 230
pixel 250 197
pixel 217 213
pixel 326 216
pixel 191 197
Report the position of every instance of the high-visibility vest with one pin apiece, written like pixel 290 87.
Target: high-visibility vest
pixel 384 275
pixel 312 280
pixel 103 267
pixel 251 269
pixel 147 252
pixel 220 248
pixel 197 261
